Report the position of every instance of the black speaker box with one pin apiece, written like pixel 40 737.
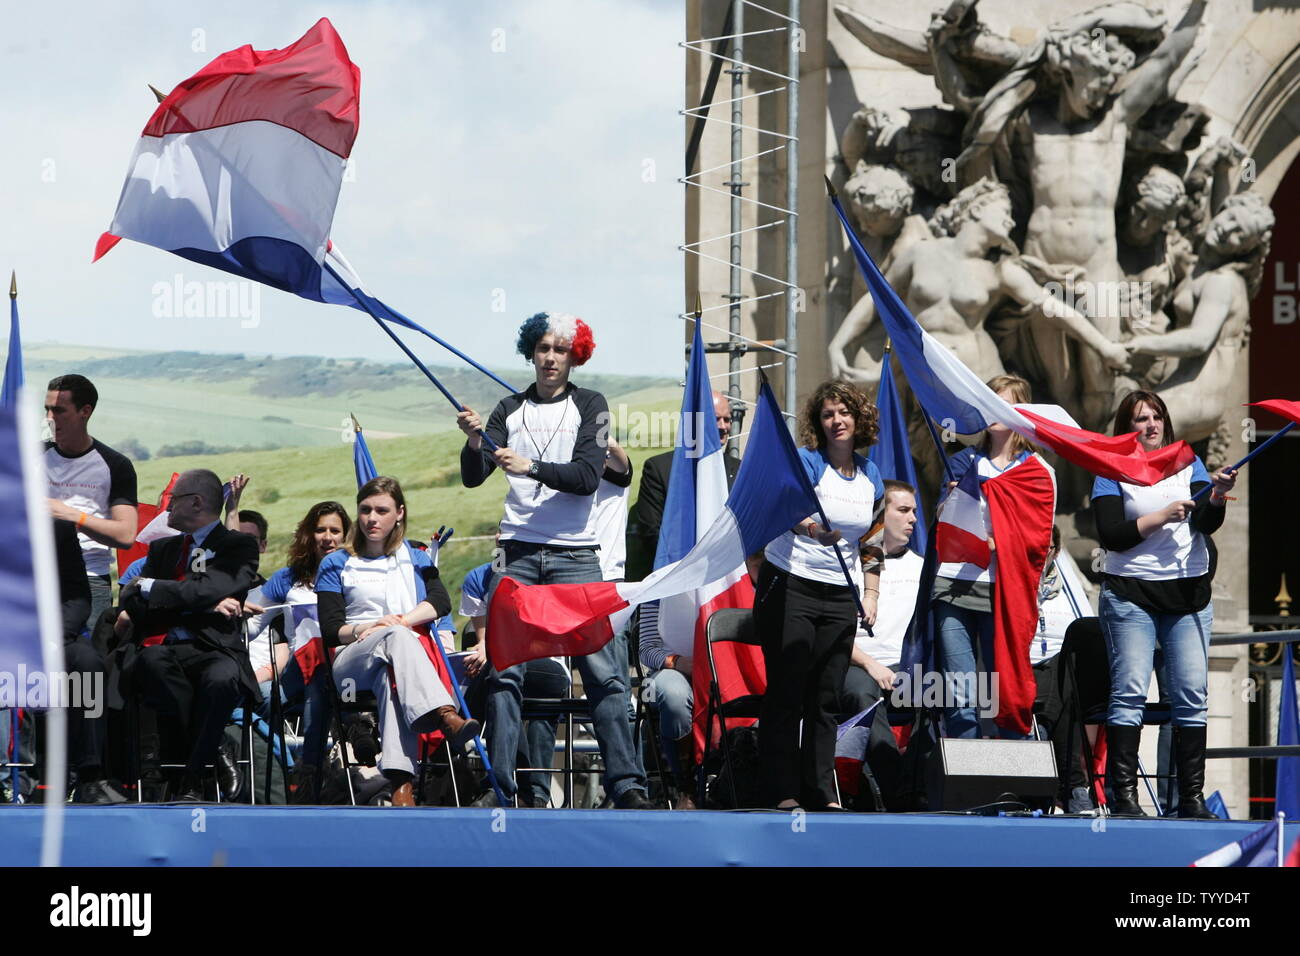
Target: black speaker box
pixel 965 774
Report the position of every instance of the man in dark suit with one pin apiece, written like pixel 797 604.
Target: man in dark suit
pixel 190 592
pixel 657 471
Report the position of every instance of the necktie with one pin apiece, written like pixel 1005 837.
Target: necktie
pixel 183 559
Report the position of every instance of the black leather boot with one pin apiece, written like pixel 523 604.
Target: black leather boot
pixel 1189 754
pixel 1121 769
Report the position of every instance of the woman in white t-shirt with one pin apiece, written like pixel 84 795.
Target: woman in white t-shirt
pixel 1157 573
pixel 804 610
pixel 369 599
pixel 962 599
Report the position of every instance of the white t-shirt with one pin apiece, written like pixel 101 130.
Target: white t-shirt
pixel 1059 611
pixel 611 529
pixel 850 505
pixel 899 581
pixel 1174 550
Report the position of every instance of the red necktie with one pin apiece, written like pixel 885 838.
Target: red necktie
pixel 183 559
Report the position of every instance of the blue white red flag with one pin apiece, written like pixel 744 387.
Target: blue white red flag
pixel 1257 848
pixel 697 495
pixel 892 452
pixel 771 493
pixel 954 396
pixel 305 643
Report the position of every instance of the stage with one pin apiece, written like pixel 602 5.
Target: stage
pixel 212 835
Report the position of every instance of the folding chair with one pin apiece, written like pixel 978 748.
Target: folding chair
pixel 729 625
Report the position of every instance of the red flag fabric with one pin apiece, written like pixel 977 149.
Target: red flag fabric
pixel 430 742
pixel 549 620
pixel 1280 406
pixel 741 670
pixel 1120 458
pixel 1021 505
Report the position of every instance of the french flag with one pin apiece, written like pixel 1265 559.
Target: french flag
pixel 951 393
pixel 963 532
pixel 772 492
pixel 240 166
pixel 697 495
pixel 305 642
pixel 1260 847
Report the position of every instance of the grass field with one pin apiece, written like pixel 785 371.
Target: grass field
pixel 285 482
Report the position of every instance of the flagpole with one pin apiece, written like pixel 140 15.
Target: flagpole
pixel 1281 824
pixel 409 354
pixel 1272 438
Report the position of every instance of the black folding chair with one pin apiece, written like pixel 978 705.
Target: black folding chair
pixel 733 625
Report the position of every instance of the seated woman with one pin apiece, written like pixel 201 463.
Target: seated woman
pixel 369 600
pixel 319 534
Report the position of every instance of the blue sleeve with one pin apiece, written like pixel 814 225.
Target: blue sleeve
pixel 329 574
pixel 445 623
pixel 873 475
pixel 131 573
pixel 475 584
pixel 1105 486
pixel 1198 471
pixel 813 465
pixel 650 643
pixel 276 589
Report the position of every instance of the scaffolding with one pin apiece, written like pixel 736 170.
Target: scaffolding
pixel 727 52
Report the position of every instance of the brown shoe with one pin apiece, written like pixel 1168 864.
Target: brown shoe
pixel 460 733
pixel 404 795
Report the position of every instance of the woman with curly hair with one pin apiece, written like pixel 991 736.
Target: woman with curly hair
pixel 805 612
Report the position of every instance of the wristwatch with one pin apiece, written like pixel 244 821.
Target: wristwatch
pixel 533 468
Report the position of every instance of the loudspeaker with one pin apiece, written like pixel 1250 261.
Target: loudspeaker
pixel 965 774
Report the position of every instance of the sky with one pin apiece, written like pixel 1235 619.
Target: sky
pixel 513 157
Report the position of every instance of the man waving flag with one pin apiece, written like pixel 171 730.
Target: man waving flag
pixel 771 493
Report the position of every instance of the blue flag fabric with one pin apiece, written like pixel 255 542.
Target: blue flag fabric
pixel 1288 734
pixel 361 460
pixel 20 646
pixel 697 438
pixel 14 363
pixel 892 452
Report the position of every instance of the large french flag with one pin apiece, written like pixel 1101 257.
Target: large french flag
pixel 1257 848
pixel 772 492
pixel 240 166
pixel 951 393
pixel 697 495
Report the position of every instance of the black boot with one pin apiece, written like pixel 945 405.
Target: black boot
pixel 1121 769
pixel 1189 754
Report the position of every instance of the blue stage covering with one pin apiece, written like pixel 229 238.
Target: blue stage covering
pixel 346 836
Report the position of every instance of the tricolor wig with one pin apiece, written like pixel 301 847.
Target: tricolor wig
pixel 565 327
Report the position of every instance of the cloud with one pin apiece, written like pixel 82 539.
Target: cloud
pixel 525 147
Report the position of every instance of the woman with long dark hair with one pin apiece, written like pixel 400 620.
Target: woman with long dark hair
pixel 320 533
pixel 804 610
pixel 371 599
pixel 1157 572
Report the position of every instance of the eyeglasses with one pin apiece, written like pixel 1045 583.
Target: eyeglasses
pixel 189 494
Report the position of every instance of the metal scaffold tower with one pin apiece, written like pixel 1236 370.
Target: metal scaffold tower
pixel 727 52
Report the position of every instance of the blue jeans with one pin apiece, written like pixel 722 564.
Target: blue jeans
pixel 670 693
pixel 604 676
pixel 1132 634
pixel 315 709
pixel 958 629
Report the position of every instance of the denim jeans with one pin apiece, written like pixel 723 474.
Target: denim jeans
pixel 1132 634
pixel 670 692
pixel 604 676
pixel 958 629
pixel 315 709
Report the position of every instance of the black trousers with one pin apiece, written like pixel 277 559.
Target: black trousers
pixel 200 687
pixel 806 629
pixel 86 732
pixel 886 763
